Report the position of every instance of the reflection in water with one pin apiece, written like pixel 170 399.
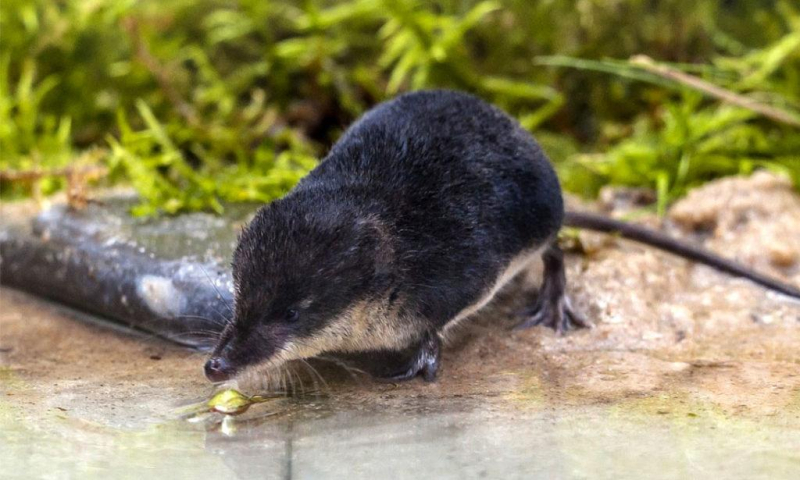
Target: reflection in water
pixel 254 449
pixel 595 442
pixel 309 439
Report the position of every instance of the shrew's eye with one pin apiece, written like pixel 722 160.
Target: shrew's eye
pixel 292 315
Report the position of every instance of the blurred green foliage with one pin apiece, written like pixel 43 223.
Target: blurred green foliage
pixel 195 102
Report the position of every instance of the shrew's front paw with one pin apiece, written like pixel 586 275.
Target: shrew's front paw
pixel 424 361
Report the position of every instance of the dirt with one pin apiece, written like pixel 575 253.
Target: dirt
pixel 53 359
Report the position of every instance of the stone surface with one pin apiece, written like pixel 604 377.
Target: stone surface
pixel 688 374
pixel 167 276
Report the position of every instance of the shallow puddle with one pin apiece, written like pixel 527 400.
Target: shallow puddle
pixel 600 441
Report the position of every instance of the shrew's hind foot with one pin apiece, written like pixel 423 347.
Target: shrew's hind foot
pixel 559 315
pixel 552 307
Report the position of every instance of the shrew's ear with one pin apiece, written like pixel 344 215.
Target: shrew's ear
pixel 378 238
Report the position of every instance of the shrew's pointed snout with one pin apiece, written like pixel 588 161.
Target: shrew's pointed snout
pixel 218 369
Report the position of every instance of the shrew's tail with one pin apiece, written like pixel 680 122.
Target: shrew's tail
pixel 599 223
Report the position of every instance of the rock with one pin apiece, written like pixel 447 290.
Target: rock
pixel 167 276
pixel 753 219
